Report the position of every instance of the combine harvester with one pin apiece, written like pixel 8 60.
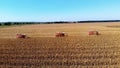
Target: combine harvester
pixel 60 34
pixel 21 36
pixel 93 33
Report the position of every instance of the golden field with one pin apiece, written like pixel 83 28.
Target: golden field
pixel 44 50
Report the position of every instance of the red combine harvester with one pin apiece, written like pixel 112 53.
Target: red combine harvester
pixel 60 34
pixel 21 36
pixel 94 33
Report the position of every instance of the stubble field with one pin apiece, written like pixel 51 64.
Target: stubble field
pixel 77 50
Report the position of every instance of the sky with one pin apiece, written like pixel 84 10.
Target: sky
pixel 58 10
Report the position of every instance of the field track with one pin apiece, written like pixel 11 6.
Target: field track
pixel 43 50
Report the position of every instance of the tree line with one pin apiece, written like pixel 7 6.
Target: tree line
pixel 56 22
pixel 17 23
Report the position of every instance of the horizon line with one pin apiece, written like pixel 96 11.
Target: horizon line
pixel 62 21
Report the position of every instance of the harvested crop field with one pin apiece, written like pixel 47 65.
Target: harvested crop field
pixel 44 50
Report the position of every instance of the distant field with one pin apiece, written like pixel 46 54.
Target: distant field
pixel 44 50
